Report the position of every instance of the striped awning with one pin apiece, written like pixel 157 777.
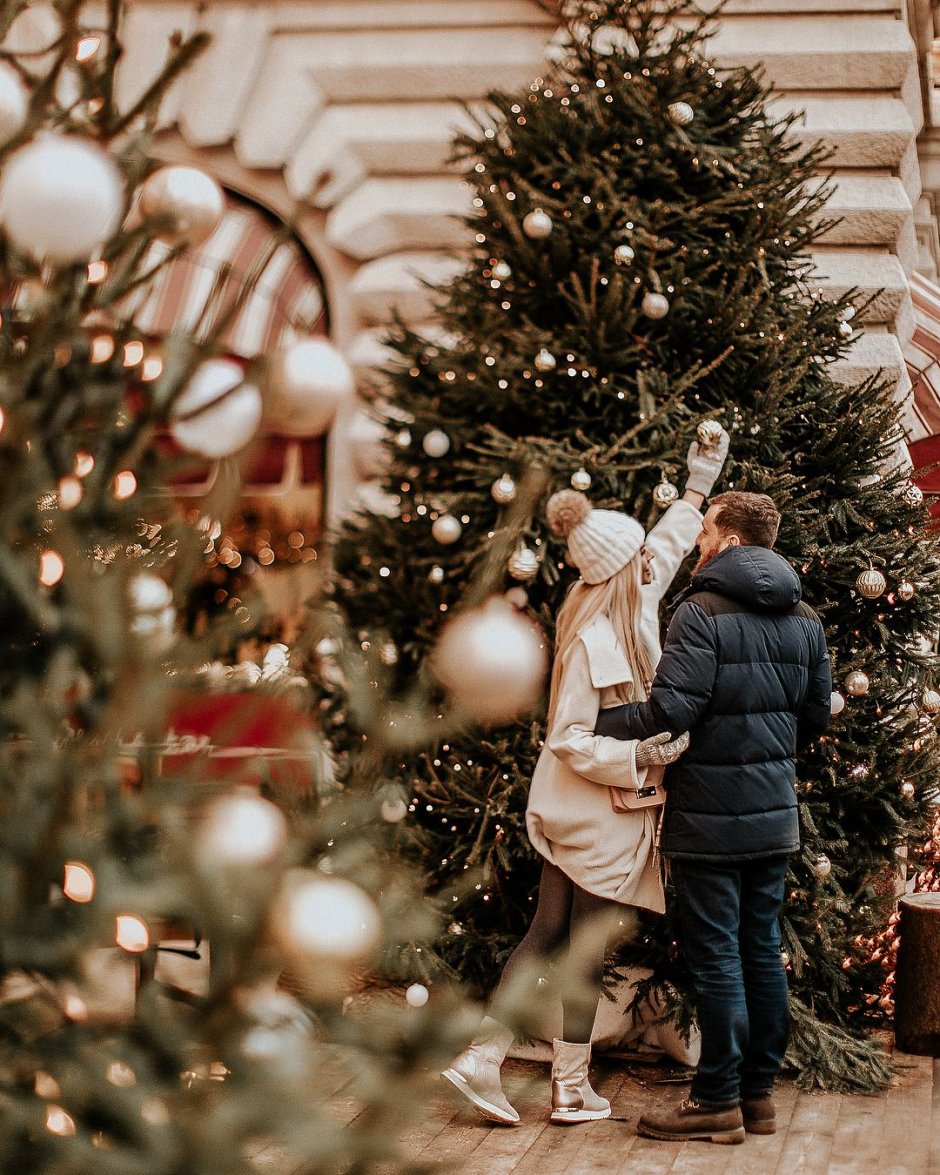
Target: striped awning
pixel 199 290
pixel 922 356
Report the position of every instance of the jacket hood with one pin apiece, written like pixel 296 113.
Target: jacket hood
pixel 754 576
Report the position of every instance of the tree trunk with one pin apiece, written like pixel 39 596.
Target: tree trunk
pixel 917 995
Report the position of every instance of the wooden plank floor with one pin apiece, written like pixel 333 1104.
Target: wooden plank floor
pixel 894 1133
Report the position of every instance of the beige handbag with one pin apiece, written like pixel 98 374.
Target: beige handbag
pixel 650 795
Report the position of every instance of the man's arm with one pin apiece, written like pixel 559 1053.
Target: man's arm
pixel 817 709
pixel 682 687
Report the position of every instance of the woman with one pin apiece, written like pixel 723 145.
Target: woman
pixel 584 815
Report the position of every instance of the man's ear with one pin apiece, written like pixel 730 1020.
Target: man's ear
pixel 734 540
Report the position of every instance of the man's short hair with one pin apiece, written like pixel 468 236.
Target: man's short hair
pixel 752 517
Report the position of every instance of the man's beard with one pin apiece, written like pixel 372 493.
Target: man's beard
pixel 704 557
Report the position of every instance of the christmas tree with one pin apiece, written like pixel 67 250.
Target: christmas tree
pixel 125 849
pixel 637 265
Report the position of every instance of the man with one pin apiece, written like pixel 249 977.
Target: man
pixel 745 671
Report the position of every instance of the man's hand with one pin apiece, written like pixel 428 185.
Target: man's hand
pixel 705 464
pixel 661 749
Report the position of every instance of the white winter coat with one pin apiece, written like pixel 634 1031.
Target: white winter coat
pixel 569 816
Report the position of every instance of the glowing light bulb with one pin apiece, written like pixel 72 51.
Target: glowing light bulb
pixel 87 47
pixel 97 272
pixel 70 493
pixel 51 568
pixel 133 353
pixel 59 1122
pixel 79 884
pixel 131 934
pixel 84 463
pixel 102 348
pixel 152 369
pixel 125 485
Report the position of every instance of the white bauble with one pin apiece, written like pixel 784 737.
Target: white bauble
pixel 545 360
pixel 501 271
pixel 581 480
pixel 154 617
pixel 492 661
pixel 655 305
pixel 185 203
pixel 14 102
pixel 523 564
pixel 240 829
pixel 435 443
pixel 61 198
pixel 503 490
pixel 217 414
pixel 327 926
pixel 417 995
pixel 836 703
pixel 623 254
pixel 446 529
pixel 307 384
pixel 537 225
pixel 822 866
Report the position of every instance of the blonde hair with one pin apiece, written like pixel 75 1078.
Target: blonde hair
pixel 617 598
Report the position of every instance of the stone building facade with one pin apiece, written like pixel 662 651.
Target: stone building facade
pixel 339 114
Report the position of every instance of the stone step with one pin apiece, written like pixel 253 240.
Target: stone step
pixel 879 279
pixel 872 211
pixel 862 130
pixel 348 143
pixel 872 354
pixel 396 282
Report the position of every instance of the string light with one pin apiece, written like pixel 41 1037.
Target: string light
pixel 125 485
pixel 51 568
pixel 131 934
pixel 84 463
pixel 87 47
pixel 79 884
pixel 97 272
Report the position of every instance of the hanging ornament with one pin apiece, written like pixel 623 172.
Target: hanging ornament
pixel 417 995
pixel 907 789
pixel 846 330
pixel 623 254
pixel 492 661
pixel 665 494
pixel 518 597
pixel 435 443
pixel 327 926
pixel 537 225
pixel 681 113
pixel 545 361
pixel 306 385
pixel 238 830
pixel 913 494
pixel 871 583
pixel 403 438
pixel 848 312
pixel 709 433
pixel 436 574
pixel 185 204
pixel 14 103
pixel 654 305
pixel 61 198
pixel 523 564
pixel 857 683
pixel 154 617
pixel 501 271
pixel 388 653
pixel 859 773
pixel 217 414
pixel 503 490
pixel 930 701
pixel 394 810
pixel 905 590
pixel 836 703
pixel 822 866
pixel 581 481
pixel 446 529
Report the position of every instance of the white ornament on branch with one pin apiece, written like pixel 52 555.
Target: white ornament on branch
pixel 61 198
pixel 185 204
pixel 446 529
pixel 306 385
pixel 435 443
pixel 537 225
pixel 218 413
pixel 655 305
pixel 238 830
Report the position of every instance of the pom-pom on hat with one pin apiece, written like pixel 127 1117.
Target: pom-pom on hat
pixel 600 542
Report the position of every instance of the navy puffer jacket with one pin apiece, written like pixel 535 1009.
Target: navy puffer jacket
pixel 745 670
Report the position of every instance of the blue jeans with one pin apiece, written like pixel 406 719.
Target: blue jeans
pixel 729 928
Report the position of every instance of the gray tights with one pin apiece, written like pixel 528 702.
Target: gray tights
pixel 563 914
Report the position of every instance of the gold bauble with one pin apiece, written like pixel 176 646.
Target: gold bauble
pixel 681 113
pixel 523 564
pixel 930 701
pixel 907 789
pixel 857 683
pixel 186 203
pixel 665 494
pixel 503 490
pixel 905 590
pixel 537 225
pixel 654 305
pixel 871 583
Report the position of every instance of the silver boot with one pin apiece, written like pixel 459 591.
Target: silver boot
pixel 573 1099
pixel 476 1072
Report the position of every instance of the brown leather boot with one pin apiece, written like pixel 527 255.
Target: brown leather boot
pixel 690 1120
pixel 760 1114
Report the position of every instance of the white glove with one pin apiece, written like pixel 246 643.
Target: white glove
pixel 705 464
pixel 661 749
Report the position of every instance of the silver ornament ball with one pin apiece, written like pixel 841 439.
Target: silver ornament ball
pixel 655 305
pixel 907 789
pixel 665 494
pixel 822 866
pixel 537 225
pixel 503 490
pixel 905 590
pixel 545 361
pixel 581 480
pixel 523 564
pixel 857 683
pixel 623 254
pixel 681 113
pixel 871 583
pixel 185 204
pixel 446 529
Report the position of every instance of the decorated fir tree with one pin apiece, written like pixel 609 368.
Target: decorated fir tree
pixel 115 837
pixel 637 264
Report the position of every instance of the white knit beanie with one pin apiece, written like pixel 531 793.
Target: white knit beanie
pixel 600 542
